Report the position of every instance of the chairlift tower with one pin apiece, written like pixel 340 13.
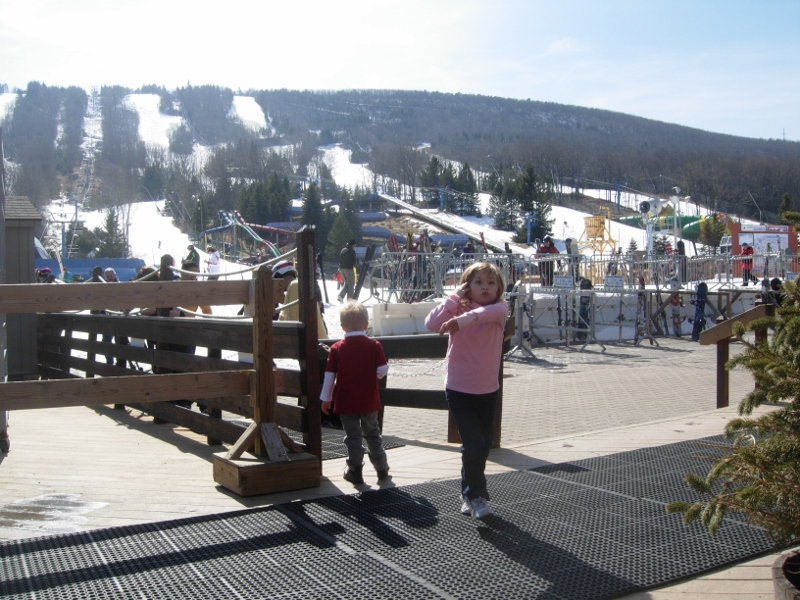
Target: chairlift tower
pixel 597 237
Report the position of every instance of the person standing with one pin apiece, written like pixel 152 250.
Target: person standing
pixel 213 263
pixel 350 389
pixel 475 318
pixel 682 262
pixel 747 264
pixel 546 266
pixel 192 256
pixel 347 265
pixel 110 275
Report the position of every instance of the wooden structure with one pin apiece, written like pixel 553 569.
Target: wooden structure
pixel 21 220
pixel 250 390
pixel 721 335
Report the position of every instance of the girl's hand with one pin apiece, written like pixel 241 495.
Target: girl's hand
pixel 463 290
pixel 450 326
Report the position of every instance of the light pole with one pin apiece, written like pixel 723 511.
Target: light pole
pixel 760 217
pixel 202 228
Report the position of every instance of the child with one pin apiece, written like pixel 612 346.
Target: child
pixel 351 389
pixel 475 317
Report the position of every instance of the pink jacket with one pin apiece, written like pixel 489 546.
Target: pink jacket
pixel 474 352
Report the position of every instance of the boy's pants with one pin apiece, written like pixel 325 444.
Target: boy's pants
pixel 364 426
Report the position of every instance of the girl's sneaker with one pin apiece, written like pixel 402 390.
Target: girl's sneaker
pixel 466 507
pixel 480 510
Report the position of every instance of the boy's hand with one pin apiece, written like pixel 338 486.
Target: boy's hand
pixel 326 407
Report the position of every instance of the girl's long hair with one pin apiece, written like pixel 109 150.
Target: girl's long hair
pixel 469 274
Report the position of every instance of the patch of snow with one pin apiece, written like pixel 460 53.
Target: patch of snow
pixel 249 113
pixel 343 171
pixel 7 101
pixel 154 127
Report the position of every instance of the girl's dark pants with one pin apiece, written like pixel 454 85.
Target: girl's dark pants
pixel 473 414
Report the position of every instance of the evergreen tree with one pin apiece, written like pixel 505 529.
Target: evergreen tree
pixel 447 179
pixel 312 207
pixel 759 476
pixel 785 206
pixel 501 205
pixel 314 213
pixel 112 239
pixel 350 213
pixel 660 245
pixel 465 182
pixel 711 231
pixel 341 231
pixel 632 247
pixel 530 203
pixel 82 241
pixel 180 141
pixel 528 192
pixel 430 176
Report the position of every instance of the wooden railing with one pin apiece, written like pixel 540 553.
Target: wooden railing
pixel 721 334
pixel 249 390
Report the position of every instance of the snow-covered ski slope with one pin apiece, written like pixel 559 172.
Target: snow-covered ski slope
pixel 155 129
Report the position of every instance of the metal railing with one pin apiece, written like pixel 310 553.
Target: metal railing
pixel 413 277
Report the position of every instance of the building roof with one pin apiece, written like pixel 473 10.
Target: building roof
pixel 19 208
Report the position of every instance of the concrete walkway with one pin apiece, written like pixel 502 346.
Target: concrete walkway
pixel 85 468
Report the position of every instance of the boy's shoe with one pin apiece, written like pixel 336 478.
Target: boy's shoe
pixel 383 474
pixel 353 475
pixel 480 510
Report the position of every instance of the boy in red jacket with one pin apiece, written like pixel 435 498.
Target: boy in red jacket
pixel 351 389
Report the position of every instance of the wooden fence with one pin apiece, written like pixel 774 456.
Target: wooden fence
pixel 82 363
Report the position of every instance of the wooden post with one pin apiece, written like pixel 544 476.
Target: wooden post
pixel 214 413
pixel 723 384
pixel 262 390
pixel 306 264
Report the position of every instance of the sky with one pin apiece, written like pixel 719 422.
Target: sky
pixel 728 66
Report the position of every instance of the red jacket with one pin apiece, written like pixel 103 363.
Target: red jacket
pixel 747 263
pixel 355 360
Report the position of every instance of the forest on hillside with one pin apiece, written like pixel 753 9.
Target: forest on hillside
pixel 478 142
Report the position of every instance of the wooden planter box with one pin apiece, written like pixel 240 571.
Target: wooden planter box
pixel 785 589
pixel 251 476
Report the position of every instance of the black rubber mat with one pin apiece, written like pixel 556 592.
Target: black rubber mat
pixel 333 443
pixel 585 530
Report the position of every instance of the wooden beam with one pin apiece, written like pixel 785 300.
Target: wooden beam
pixel 412 398
pixel 273 442
pixel 122 390
pixel 724 330
pixel 244 442
pixel 33 298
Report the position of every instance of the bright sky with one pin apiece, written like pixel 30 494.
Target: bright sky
pixel 730 66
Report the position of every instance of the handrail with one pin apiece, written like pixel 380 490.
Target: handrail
pixel 721 334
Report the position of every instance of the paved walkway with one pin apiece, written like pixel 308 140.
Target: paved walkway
pixel 80 469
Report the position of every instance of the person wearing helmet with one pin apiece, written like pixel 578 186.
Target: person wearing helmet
pixel 546 266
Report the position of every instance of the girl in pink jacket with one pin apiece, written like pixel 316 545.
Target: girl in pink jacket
pixel 475 317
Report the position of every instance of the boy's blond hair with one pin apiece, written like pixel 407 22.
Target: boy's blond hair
pixel 353 316
pixel 479 267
